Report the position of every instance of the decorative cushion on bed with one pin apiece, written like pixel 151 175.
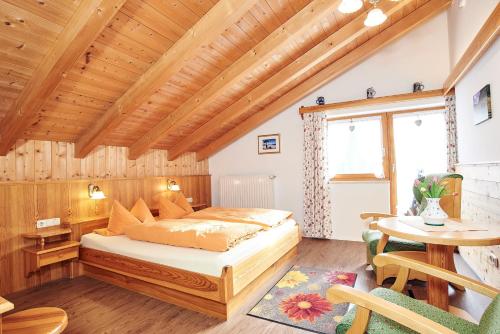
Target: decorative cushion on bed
pixel 120 218
pixel 380 324
pixel 170 210
pixel 181 201
pixel 104 232
pixel 142 212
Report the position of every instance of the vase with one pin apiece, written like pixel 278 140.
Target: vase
pixel 433 214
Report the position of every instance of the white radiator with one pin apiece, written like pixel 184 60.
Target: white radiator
pixel 247 191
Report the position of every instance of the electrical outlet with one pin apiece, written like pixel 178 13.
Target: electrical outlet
pixel 41 223
pixel 189 199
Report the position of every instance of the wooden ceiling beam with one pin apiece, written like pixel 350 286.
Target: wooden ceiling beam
pixel 215 22
pixel 81 30
pixel 322 51
pixel 329 73
pixel 297 25
pixel 483 40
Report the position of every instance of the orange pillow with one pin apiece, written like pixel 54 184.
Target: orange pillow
pixel 120 218
pixel 181 201
pixel 170 210
pixel 142 212
pixel 104 232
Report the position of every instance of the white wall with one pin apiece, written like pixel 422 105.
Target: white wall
pixel 390 71
pixel 478 145
pixel 464 24
pixel 475 142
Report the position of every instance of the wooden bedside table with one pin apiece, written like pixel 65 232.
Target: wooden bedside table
pixel 45 251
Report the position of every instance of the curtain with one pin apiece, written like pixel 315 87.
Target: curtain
pixel 451 128
pixel 317 205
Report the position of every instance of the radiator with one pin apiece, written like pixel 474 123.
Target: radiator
pixel 247 191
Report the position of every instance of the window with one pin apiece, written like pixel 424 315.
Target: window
pixel 420 149
pixel 356 148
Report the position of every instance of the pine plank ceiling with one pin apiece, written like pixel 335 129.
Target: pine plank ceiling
pixel 181 75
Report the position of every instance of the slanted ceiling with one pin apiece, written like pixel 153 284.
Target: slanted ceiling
pixel 181 75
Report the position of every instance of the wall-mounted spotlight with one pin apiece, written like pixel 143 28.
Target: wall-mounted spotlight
pixel 95 192
pixel 172 185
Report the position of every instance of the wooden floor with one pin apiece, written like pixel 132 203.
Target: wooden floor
pixel 96 307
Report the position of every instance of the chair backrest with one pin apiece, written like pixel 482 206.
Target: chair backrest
pixel 452 201
pixel 490 321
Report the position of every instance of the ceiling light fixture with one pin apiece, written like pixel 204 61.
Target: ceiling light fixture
pixel 375 16
pixel 350 6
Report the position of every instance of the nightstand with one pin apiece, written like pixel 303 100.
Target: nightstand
pixel 46 251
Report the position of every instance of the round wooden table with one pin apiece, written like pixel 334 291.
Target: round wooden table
pixel 438 249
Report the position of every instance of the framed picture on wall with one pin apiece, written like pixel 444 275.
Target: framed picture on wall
pixel 269 144
pixel 482 105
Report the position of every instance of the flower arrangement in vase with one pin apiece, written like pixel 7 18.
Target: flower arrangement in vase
pixel 432 190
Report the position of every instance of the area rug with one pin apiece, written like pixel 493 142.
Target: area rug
pixel 299 300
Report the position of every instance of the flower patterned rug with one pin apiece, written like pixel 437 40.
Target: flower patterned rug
pixel 299 300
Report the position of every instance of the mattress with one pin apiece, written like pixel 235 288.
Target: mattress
pixel 195 260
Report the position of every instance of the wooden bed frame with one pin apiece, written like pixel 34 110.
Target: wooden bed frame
pixel 211 295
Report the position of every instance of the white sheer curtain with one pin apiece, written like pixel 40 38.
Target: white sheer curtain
pixel 317 205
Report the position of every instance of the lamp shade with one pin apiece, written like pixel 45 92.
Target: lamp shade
pixel 350 6
pixel 375 17
pixel 97 195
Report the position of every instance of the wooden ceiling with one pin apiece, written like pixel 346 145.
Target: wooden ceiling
pixel 181 75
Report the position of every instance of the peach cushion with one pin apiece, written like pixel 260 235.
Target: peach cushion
pixel 170 210
pixel 120 218
pixel 104 232
pixel 142 212
pixel 181 201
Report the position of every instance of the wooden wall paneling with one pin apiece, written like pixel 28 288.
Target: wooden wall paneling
pixel 43 160
pixel 25 155
pixel 73 165
pixel 59 165
pixel 80 203
pixel 121 162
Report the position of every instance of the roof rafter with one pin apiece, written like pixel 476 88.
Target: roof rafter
pixel 322 51
pixel 81 30
pixel 219 18
pixel 332 71
pixel 298 24
pixel 479 45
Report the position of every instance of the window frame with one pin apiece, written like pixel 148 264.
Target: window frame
pixel 386 142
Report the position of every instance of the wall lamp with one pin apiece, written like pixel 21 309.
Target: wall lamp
pixel 95 192
pixel 172 185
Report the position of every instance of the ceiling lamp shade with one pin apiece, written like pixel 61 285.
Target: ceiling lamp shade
pixel 375 17
pixel 350 6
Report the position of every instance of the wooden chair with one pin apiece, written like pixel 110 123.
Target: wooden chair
pixel 41 320
pixel 389 311
pixel 377 243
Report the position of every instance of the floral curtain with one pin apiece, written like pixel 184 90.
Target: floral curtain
pixel 451 128
pixel 317 205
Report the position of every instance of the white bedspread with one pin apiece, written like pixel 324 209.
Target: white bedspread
pixel 196 260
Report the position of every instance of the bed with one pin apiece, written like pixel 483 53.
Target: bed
pixel 214 283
